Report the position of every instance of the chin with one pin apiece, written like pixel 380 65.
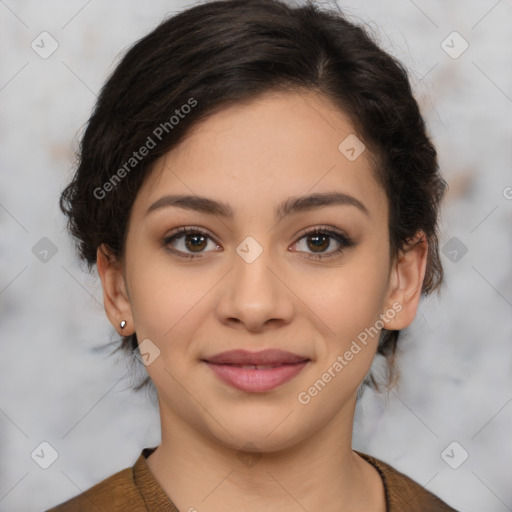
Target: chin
pixel 259 432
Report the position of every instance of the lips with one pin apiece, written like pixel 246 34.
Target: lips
pixel 256 371
pixel 269 357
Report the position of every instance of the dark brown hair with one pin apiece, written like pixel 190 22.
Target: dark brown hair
pixel 223 52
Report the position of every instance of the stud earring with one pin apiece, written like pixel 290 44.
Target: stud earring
pixel 122 324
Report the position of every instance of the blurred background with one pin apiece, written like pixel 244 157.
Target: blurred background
pixel 68 417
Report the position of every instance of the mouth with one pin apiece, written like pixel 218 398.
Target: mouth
pixel 256 372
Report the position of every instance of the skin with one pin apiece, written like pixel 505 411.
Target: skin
pixel 253 156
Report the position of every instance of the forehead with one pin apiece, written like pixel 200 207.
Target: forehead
pixel 256 153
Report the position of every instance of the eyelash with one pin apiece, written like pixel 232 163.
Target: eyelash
pixel 339 237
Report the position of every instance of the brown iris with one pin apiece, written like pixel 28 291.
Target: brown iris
pixel 317 238
pixel 195 241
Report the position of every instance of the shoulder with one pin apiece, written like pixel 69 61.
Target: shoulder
pixel 403 493
pixel 115 493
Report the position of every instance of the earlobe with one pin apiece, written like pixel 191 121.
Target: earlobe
pixel 115 297
pixel 406 283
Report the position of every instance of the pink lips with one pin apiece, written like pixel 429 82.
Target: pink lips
pixel 256 371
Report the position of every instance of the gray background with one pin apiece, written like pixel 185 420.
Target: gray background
pixel 58 383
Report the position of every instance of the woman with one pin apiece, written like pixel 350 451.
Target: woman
pixel 260 197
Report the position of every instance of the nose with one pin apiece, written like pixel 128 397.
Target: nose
pixel 255 295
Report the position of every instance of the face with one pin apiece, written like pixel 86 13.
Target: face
pixel 286 247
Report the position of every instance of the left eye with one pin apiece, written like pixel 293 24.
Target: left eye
pixel 320 239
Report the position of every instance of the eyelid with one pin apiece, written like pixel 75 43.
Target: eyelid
pixel 324 228
pixel 184 230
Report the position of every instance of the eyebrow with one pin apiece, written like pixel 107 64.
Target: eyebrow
pixel 292 205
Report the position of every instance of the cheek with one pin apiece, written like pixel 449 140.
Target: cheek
pixel 349 305
pixel 164 301
pixel 352 299
pixel 169 302
pixel 167 309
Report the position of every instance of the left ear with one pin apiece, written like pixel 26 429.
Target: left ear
pixel 406 281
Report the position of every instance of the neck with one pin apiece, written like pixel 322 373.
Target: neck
pixel 318 473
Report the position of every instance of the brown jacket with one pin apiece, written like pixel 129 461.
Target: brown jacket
pixel 136 490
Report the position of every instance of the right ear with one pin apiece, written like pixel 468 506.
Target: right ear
pixel 115 297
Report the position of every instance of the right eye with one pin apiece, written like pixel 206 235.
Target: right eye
pixel 190 239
